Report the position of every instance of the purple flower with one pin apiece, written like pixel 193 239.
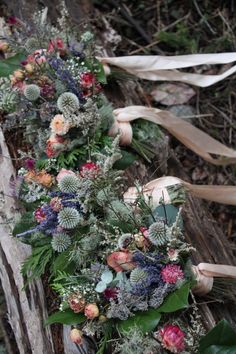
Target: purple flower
pixel 30 164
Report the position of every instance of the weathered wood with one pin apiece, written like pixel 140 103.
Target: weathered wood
pixel 26 309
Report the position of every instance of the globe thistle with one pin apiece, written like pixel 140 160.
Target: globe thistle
pixel 69 184
pixel 157 234
pixel 60 242
pixel 31 45
pixel 138 275
pixel 32 92
pixel 69 218
pixel 68 101
pixel 124 241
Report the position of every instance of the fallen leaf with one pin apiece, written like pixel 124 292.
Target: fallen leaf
pixel 172 94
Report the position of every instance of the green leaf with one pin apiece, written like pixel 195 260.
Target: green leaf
pixel 67 317
pixel 168 212
pixel 26 222
pixel 62 263
pixel 220 340
pixel 146 321
pixel 177 300
pixel 126 160
pixel 7 66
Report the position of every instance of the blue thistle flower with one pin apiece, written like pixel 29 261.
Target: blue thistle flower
pixel 60 242
pixel 69 218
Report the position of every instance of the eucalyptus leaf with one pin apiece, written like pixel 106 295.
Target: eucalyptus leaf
pixel 169 213
pixel 100 287
pixel 107 276
pixel 67 317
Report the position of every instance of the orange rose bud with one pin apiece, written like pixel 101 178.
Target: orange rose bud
pixel 76 336
pixel 19 74
pixel 91 311
pixel 4 46
pixel 29 68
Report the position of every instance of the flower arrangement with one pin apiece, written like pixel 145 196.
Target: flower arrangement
pixel 122 271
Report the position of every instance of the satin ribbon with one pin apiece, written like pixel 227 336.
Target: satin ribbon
pixel 205 273
pixel 164 68
pixel 156 190
pixel 195 139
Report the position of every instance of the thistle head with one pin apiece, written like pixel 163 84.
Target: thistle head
pixel 69 184
pixel 69 218
pixel 60 242
pixel 32 92
pixel 157 234
pixel 138 275
pixel 68 101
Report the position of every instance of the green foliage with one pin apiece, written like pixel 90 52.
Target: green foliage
pixel 148 320
pixel 181 38
pixel 177 300
pixel 35 265
pixel 7 66
pixel 96 67
pixel 145 321
pixel 67 317
pixel 63 263
pixel 26 222
pixel 127 159
pixel 220 340
pixel 69 159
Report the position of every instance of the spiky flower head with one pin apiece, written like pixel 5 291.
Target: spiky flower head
pixel 157 234
pixel 69 184
pixel 69 218
pixel 31 45
pixel 60 242
pixel 68 101
pixel 138 275
pixel 32 92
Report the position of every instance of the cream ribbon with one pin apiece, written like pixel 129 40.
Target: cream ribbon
pixel 205 273
pixel 192 137
pixel 163 68
pixel 156 190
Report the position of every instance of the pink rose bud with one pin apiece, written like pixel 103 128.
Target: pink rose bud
pixel 64 172
pixel 76 336
pixel 120 261
pixel 91 311
pixel 171 338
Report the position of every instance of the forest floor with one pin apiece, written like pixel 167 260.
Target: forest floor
pixel 176 27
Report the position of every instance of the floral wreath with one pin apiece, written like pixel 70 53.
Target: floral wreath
pixel 117 259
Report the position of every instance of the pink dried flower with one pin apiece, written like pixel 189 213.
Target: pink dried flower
pixel 56 204
pixel 30 164
pixel 173 254
pixel 89 170
pixel 120 261
pixel 56 44
pixel 91 311
pixel 64 172
pixel 39 215
pixel 76 336
pixel 87 80
pixel 171 338
pixel 110 293
pixel 171 273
